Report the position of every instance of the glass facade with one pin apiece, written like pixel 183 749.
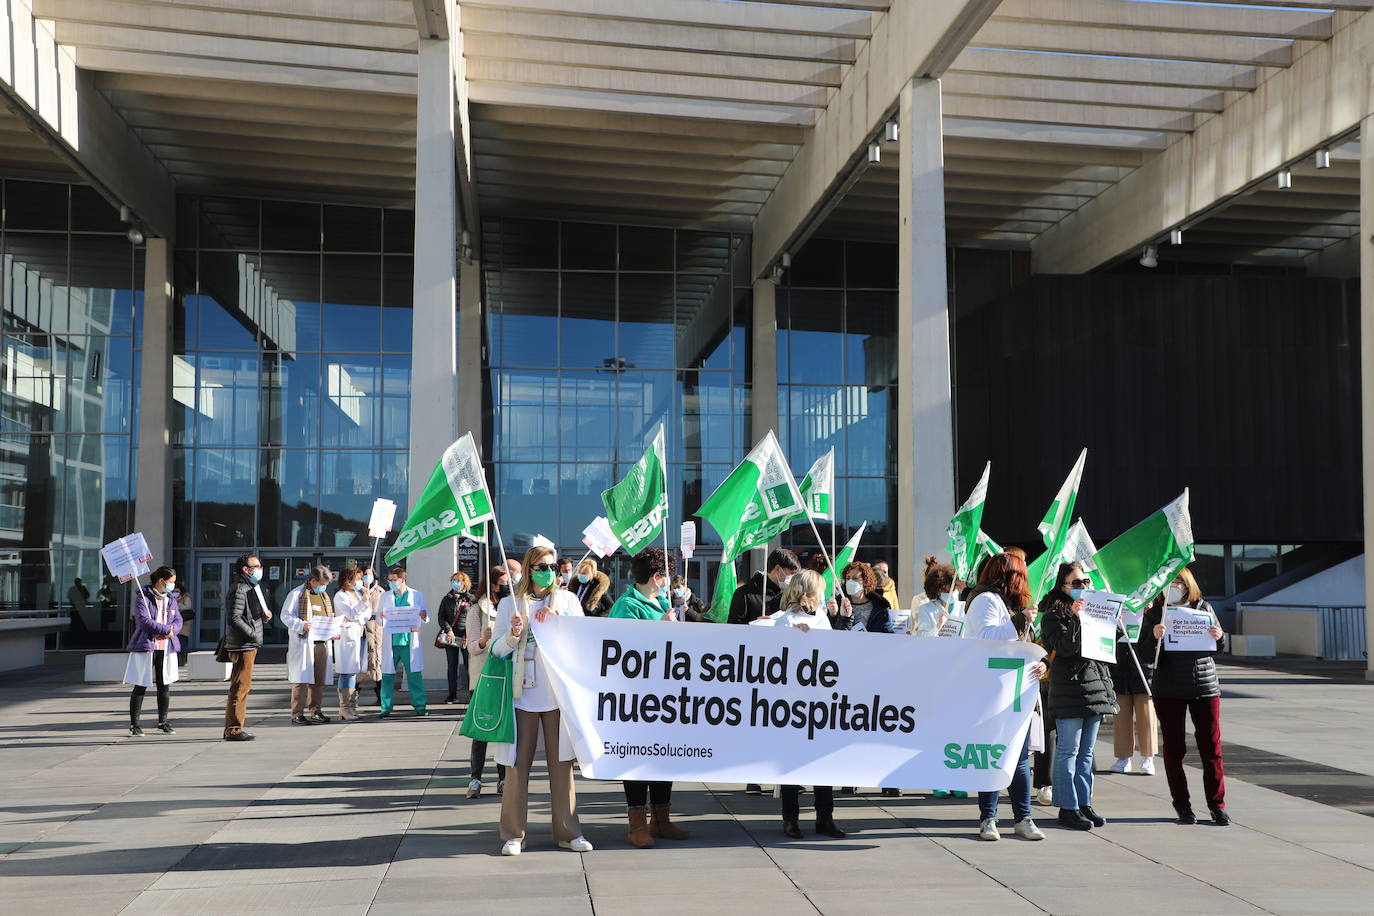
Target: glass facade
pixel 595 335
pixel 72 290
pixel 291 376
pixel 837 372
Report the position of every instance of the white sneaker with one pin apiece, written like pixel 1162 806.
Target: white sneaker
pixel 1027 830
pixel 987 830
pixel 474 788
pixel 1147 766
pixel 577 844
pixel 1122 765
pixel 513 847
pixel 1045 795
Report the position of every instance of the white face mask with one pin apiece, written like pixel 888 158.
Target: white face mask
pixel 1175 594
pixel 785 581
pixel 853 587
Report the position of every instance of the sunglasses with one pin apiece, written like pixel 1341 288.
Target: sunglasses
pixel 1080 583
pixel 544 567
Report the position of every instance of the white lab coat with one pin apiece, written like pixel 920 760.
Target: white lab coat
pixel 138 671
pixel 565 604
pixel 481 614
pixel 300 653
pixel 350 652
pixel 417 646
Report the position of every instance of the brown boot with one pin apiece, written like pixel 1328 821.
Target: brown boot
pixel 353 702
pixel 346 704
pixel 639 829
pixel 662 827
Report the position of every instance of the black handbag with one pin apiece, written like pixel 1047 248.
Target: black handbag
pixel 221 652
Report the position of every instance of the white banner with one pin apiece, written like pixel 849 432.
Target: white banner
pixel 688 542
pixel 1097 625
pixel 1185 630
pixel 599 537
pixel 322 627
pixel 786 707
pixel 402 619
pixel 127 557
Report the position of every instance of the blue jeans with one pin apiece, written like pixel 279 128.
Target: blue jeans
pixel 1073 761
pixel 348 681
pixel 1019 790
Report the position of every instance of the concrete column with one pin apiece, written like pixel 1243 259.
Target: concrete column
pixel 433 382
pixel 764 400
pixel 925 417
pixel 1367 368
pixel 470 317
pixel 153 496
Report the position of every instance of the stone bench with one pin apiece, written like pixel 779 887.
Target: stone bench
pixel 201 666
pixel 22 639
pixel 106 667
pixel 1252 646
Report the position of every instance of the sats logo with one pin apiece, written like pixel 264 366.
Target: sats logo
pixel 973 756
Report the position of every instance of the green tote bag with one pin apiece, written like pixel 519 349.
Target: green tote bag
pixel 491 712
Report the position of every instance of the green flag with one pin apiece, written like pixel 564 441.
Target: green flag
pixel 726 583
pixel 454 500
pixel 756 502
pixel 963 531
pixel 638 506
pixel 987 547
pixel 1142 562
pixel 818 487
pixel 1079 548
pixel 1054 528
pixel 842 559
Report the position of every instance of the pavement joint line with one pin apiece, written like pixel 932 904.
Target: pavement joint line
pixel 764 849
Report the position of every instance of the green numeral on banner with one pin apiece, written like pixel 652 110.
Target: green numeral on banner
pixel 1012 664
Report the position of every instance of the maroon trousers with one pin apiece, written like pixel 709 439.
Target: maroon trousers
pixel 1206 716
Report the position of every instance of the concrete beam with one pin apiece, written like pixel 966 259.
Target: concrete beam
pixel 153 499
pixel 1164 17
pixel 1184 74
pixel 1057 114
pixel 710 13
pixel 915 38
pixel 1322 96
pixel 1222 49
pixel 432 18
pixel 1062 92
pixel 674 107
pixel 41 83
pixel 1367 367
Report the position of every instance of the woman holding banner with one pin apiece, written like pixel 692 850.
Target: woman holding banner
pixel 1002 585
pixel 803 608
pixel 536 708
pixel 1185 684
pixel 651 568
pixel 481 625
pixel 1080 695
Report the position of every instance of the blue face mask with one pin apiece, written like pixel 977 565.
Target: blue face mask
pixel 456 586
pixel 1075 593
pixel 518 577
pixel 358 589
pixel 318 589
pixel 167 589
pixel 256 574
pixel 583 578
pixel 367 578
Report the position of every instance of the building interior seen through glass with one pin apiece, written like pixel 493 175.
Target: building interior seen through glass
pixel 72 306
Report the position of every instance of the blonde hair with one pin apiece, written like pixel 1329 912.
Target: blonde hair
pixel 1191 592
pixel 534 555
pixel 806 591
pixel 587 564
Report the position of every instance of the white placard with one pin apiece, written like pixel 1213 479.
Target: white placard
pixel 1132 621
pixel 673 703
pixel 954 622
pixel 540 541
pixel 127 557
pixel 322 627
pixel 1097 623
pixel 383 516
pixel 402 619
pixel 688 544
pixel 599 537
pixel 1185 630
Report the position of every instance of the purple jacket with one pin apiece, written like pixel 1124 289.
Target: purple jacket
pixel 146 628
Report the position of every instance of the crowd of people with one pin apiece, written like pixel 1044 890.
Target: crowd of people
pixel 1144 690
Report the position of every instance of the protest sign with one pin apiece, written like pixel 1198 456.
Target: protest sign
pixel 785 707
pixel 127 557
pixel 1132 621
pixel 402 619
pixel 383 515
pixel 1185 630
pixel 325 627
pixel 1097 625
pixel 599 537
pixel 688 542
pixel 540 541
pixel 953 626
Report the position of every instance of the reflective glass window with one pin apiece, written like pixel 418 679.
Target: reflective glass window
pixel 523 309
pixel 398 314
pixel 586 416
pixel 289 497
pixel 527 414
pixel 646 329
pixel 352 291
pixel 348 487
pixel 352 400
pixel 36 205
pixel 225 496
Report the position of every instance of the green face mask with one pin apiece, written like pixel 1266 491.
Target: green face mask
pixel 543 577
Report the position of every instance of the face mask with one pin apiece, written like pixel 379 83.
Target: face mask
pixel 785 581
pixel 502 591
pixel 563 578
pixel 358 588
pixel 852 587
pixel 679 592
pixel 256 575
pixel 166 589
pixel 1075 593
pixel 456 586
pixel 518 577
pixel 583 578
pixel 1175 594
pixel 317 589
pixel 367 578
pixel 543 578
pixel 946 597
pixel 397 585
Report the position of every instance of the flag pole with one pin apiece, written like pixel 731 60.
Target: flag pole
pixel 501 546
pixel 819 542
pixel 1130 647
pixel 375 542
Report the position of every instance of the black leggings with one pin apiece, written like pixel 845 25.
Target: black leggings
pixel 163 697
pixel 825 803
pixel 641 794
pixel 477 763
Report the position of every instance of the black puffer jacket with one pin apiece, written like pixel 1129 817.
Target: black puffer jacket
pixel 1079 686
pixel 1125 676
pixel 1179 675
pixel 243 615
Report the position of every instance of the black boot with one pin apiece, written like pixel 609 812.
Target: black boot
pixel 1185 814
pixel 791 829
pixel 826 827
pixel 1220 817
pixel 1090 814
pixel 1074 819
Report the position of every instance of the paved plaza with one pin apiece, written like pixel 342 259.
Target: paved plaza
pixel 371 817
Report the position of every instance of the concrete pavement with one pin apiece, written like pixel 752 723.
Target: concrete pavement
pixel 371 817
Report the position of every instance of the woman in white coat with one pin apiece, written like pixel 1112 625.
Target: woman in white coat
pixel 537 595
pixel 480 627
pixel 309 662
pixel 350 652
pixel 404 649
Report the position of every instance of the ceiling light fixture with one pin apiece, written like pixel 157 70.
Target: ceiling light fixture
pixel 1323 158
pixel 1150 258
pixel 875 153
pixel 1285 179
pixel 890 132
pixel 1175 236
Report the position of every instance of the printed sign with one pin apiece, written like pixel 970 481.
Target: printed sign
pixel 325 627
pixel 402 619
pixel 599 537
pixel 954 623
pixel 383 515
pixel 1097 625
pixel 688 544
pixel 1185 630
pixel 127 557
